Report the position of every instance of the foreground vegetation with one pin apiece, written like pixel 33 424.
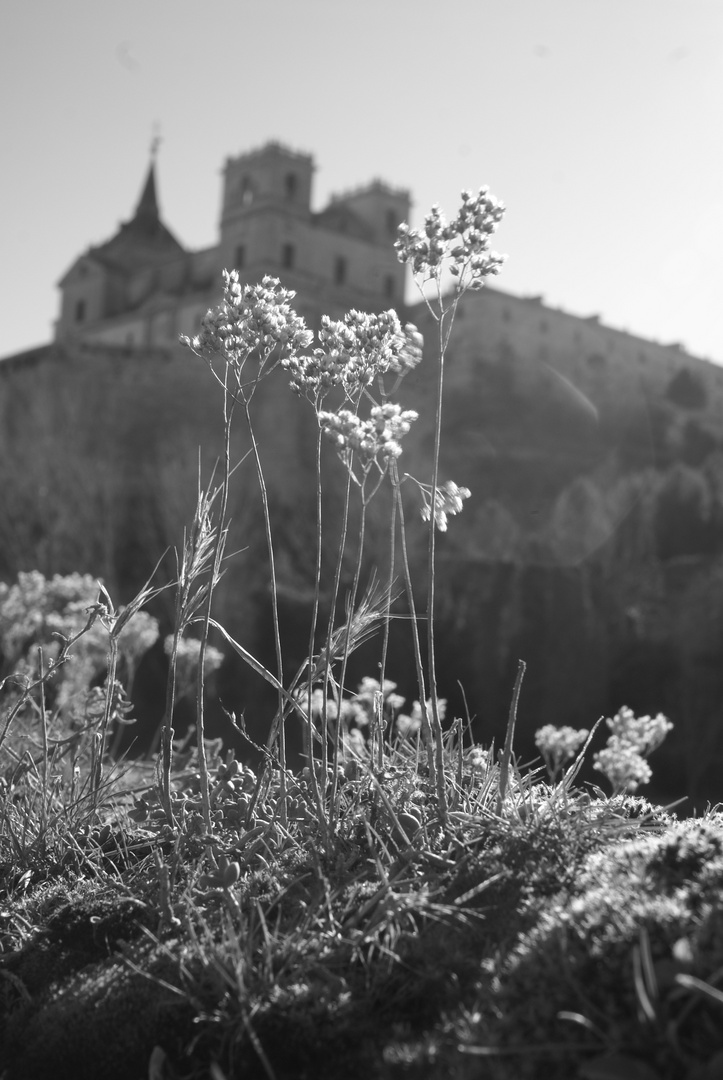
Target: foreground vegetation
pixel 567 935
pixel 409 904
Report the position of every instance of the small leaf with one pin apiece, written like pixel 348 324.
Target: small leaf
pixel 617 1067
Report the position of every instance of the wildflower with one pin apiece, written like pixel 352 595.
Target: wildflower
pixel 448 500
pixel 644 733
pixel 425 247
pixel 409 725
pixel 558 744
pixel 250 319
pixel 317 703
pixel 138 635
pixel 464 242
pixel 478 758
pixel 632 739
pixel 37 607
pixel 187 654
pixel 623 766
pixel 370 694
pixel 372 439
pixel 409 352
pixel 394 702
pixel 368 687
pixel 353 352
pixel 353 744
pixel 352 711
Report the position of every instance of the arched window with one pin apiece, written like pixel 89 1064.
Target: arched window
pixel 392 222
pixel 340 270
pixel 80 310
pixel 240 257
pixel 389 286
pixel 246 191
pixel 290 186
pixel 288 256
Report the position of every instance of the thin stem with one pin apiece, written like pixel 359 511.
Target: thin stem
pixel 345 655
pixel 309 726
pixel 44 734
pixel 330 627
pixel 97 771
pixel 308 738
pixel 511 721
pixel 387 618
pixel 218 546
pixel 426 730
pixel 167 728
pixel 431 581
pixel 274 608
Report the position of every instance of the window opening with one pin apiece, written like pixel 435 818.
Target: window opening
pixel 340 270
pixel 247 192
pixel 288 256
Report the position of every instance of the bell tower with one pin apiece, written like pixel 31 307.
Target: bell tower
pixel 266 205
pixel 271 176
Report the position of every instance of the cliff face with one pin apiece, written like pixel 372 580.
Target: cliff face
pixel 591 546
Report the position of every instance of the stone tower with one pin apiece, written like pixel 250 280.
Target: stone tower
pixel 338 258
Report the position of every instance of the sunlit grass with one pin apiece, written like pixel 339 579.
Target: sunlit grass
pixel 408 903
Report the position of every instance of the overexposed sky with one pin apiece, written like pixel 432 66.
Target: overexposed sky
pixel 598 122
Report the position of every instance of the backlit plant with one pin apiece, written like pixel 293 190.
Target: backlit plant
pixel 404 872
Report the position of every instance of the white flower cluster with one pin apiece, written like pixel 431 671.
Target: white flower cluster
pixel 408 726
pixel 477 758
pixel 187 654
pixel 359 714
pixel 631 740
pixel 558 744
pixel 138 635
pixel 351 711
pixel 250 319
pixel 369 689
pixel 448 500
pixel 36 607
pixel 353 352
pixel 644 733
pixel 623 766
pixel 372 439
pixel 408 353
pixel 464 242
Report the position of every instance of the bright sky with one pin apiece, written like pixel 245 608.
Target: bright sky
pixel 598 122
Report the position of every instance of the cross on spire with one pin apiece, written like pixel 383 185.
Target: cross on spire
pixel 156 140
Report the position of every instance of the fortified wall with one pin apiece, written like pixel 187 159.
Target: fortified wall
pixel 141 289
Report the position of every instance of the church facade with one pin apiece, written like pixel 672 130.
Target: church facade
pixel 141 288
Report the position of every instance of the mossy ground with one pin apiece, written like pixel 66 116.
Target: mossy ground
pixel 565 936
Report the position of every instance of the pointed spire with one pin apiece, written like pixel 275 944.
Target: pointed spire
pixel 147 209
pixel 143 240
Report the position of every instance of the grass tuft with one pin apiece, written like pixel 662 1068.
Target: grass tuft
pixel 407 903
